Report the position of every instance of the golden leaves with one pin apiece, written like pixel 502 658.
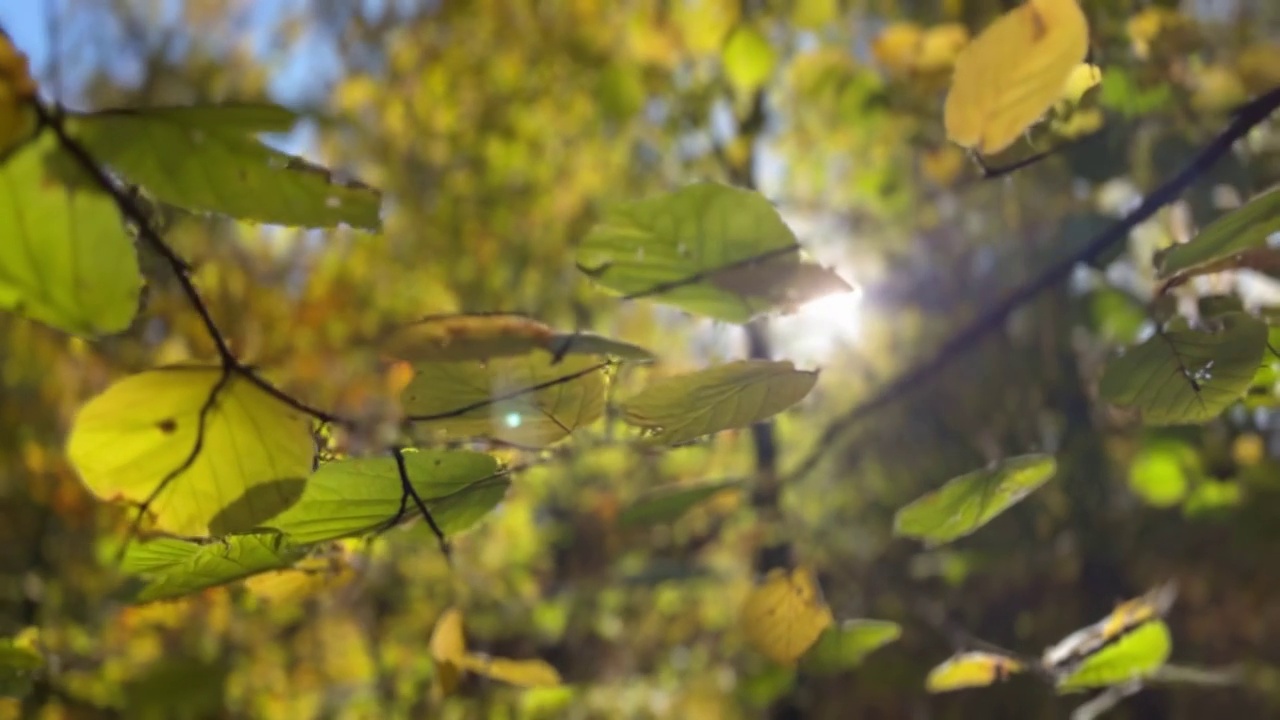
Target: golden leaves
pixel 1013 73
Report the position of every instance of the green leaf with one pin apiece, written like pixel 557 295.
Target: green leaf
pixel 172 568
pixel 1135 654
pixel 591 344
pixel 1182 376
pixel 668 504
pixel 846 646
pixel 455 338
pixel 18 666
pixel 706 248
pixel 1161 472
pixel 681 408
pixel 1237 239
pixel 208 452
pixel 968 502
pixel 207 158
pixel 529 401
pixel 65 259
pixel 358 496
pixel 748 59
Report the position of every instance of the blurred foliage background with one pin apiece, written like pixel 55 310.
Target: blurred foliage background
pixel 498 129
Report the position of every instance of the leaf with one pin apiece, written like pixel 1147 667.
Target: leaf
pixel 748 59
pixel 447 646
pixel 670 503
pixel 1138 653
pixel 1182 376
pixel 1233 240
pixel 65 259
pixel 523 673
pixel 17 93
pixel 357 496
pixel 968 502
pixel 1069 653
pixel 706 248
pixel 207 452
pixel 18 664
pixel 454 338
pixel 530 401
pixel 306 578
pixel 970 670
pixel 207 158
pixel 680 408
pixel 784 616
pixel 845 647
pixel 173 568
pixel 1013 73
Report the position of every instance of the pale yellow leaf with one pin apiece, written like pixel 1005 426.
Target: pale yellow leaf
pixel 784 616
pixel 524 673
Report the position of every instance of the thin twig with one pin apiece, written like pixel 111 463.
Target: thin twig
pixel 513 395
pixel 407 487
pixel 1249 117
pixel 696 277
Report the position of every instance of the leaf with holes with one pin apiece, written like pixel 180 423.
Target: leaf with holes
pixel 207 158
pixel 454 338
pixel 737 394
pixel 172 568
pixel 65 259
pixel 845 647
pixel 1013 72
pixel 968 502
pixel 529 401
pixel 1248 236
pixel 358 496
pixel 208 453
pixel 670 503
pixel 970 670
pixel 706 248
pixel 1183 376
pixel 1137 653
pixel 784 615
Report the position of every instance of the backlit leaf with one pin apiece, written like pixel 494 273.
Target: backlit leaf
pixel 706 248
pixel 845 647
pixel 668 504
pixel 748 59
pixel 968 502
pixel 970 670
pixel 784 616
pixel 1013 73
pixel 65 259
pixel 1138 653
pixel 1245 237
pixel 529 401
pixel 1068 654
pixel 734 395
pixel 523 673
pixel 172 568
pixel 143 439
pixel 454 338
pixel 357 496
pixel 207 158
pixel 1184 376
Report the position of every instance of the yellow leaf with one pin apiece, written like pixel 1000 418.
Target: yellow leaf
pixel 783 616
pixel 897 47
pixel 1259 67
pixel 1079 123
pixel 970 670
pixel 17 90
pixel 1145 27
pixel 748 59
pixel 524 673
pixel 1082 79
pixel 1013 73
pixel 448 648
pixel 940 47
pixel 209 452
pixel 704 24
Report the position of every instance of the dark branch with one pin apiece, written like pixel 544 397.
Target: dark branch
pixel 1249 117
pixel 514 394
pixel 411 492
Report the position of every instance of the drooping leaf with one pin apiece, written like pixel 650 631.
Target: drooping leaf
pixel 65 258
pixel 207 158
pixel 173 568
pixel 784 615
pixel 447 646
pixel 18 666
pixel 1248 236
pixel 358 496
pixel 1137 653
pixel 522 673
pixel 705 248
pixel 970 670
pixel 530 401
pixel 1013 72
pixel 455 338
pixel 737 394
pixel 845 647
pixel 670 503
pixel 208 452
pixel 1183 376
pixel 968 502
pixel 1068 654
